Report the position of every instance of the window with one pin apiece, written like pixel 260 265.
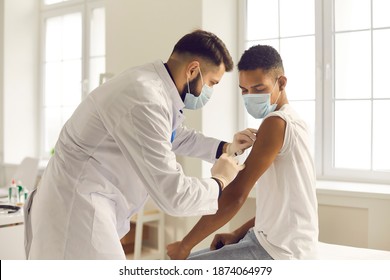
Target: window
pixel 72 59
pixel 294 38
pixel 336 61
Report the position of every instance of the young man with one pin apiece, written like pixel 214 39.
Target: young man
pixel 281 167
pixel 119 147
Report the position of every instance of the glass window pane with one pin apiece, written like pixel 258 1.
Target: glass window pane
pixel 352 14
pixel 273 43
pixel 97 44
pixel 299 64
pixel 353 65
pixel 381 57
pixel 293 25
pixel 352 138
pixel 63 37
pixel 262 19
pixel 306 109
pixel 71 85
pixel 53 84
pixel 381 136
pixel 96 67
pixel 380 16
pixel 53 47
pixel 72 36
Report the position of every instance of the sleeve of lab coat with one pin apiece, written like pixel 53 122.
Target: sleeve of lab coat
pixel 144 135
pixel 189 142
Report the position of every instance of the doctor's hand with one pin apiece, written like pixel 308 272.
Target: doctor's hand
pixel 225 169
pixel 222 239
pixel 241 141
pixel 176 251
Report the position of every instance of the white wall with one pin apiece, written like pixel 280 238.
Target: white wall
pixel 20 80
pixel 354 214
pixel 1 86
pixel 141 31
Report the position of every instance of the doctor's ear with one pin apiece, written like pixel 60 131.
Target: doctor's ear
pixel 192 69
pixel 282 82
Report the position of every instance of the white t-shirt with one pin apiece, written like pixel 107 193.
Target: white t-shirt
pixel 286 203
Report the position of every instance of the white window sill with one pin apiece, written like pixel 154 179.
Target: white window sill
pixel 350 189
pixel 353 189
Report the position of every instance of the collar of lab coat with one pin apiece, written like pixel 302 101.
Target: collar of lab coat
pixel 177 103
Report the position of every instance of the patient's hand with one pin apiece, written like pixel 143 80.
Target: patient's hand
pixel 223 239
pixel 177 252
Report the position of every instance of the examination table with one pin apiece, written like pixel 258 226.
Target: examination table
pixel 328 251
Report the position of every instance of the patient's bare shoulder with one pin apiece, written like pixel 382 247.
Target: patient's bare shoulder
pixel 271 131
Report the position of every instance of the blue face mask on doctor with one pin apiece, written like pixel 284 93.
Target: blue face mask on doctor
pixel 259 105
pixel 193 102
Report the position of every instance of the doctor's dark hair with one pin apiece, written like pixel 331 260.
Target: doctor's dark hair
pixel 206 45
pixel 261 57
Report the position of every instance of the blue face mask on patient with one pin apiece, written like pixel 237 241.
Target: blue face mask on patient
pixel 259 105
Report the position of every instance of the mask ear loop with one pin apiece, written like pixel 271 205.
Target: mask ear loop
pixel 188 85
pixel 188 82
pixel 279 91
pixel 201 77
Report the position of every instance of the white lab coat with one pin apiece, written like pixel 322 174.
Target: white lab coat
pixel 113 152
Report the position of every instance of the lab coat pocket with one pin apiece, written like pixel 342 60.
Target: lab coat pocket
pixel 105 238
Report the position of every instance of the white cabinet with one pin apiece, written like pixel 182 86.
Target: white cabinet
pixel 12 236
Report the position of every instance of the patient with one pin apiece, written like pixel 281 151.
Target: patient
pixel 281 168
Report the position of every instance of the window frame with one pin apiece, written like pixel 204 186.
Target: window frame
pixel 84 7
pixel 329 171
pixel 324 97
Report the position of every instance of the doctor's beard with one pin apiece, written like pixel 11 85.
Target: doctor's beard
pixel 193 86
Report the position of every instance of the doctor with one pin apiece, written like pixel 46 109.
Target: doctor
pixel 119 147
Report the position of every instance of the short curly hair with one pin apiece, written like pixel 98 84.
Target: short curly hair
pixel 261 57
